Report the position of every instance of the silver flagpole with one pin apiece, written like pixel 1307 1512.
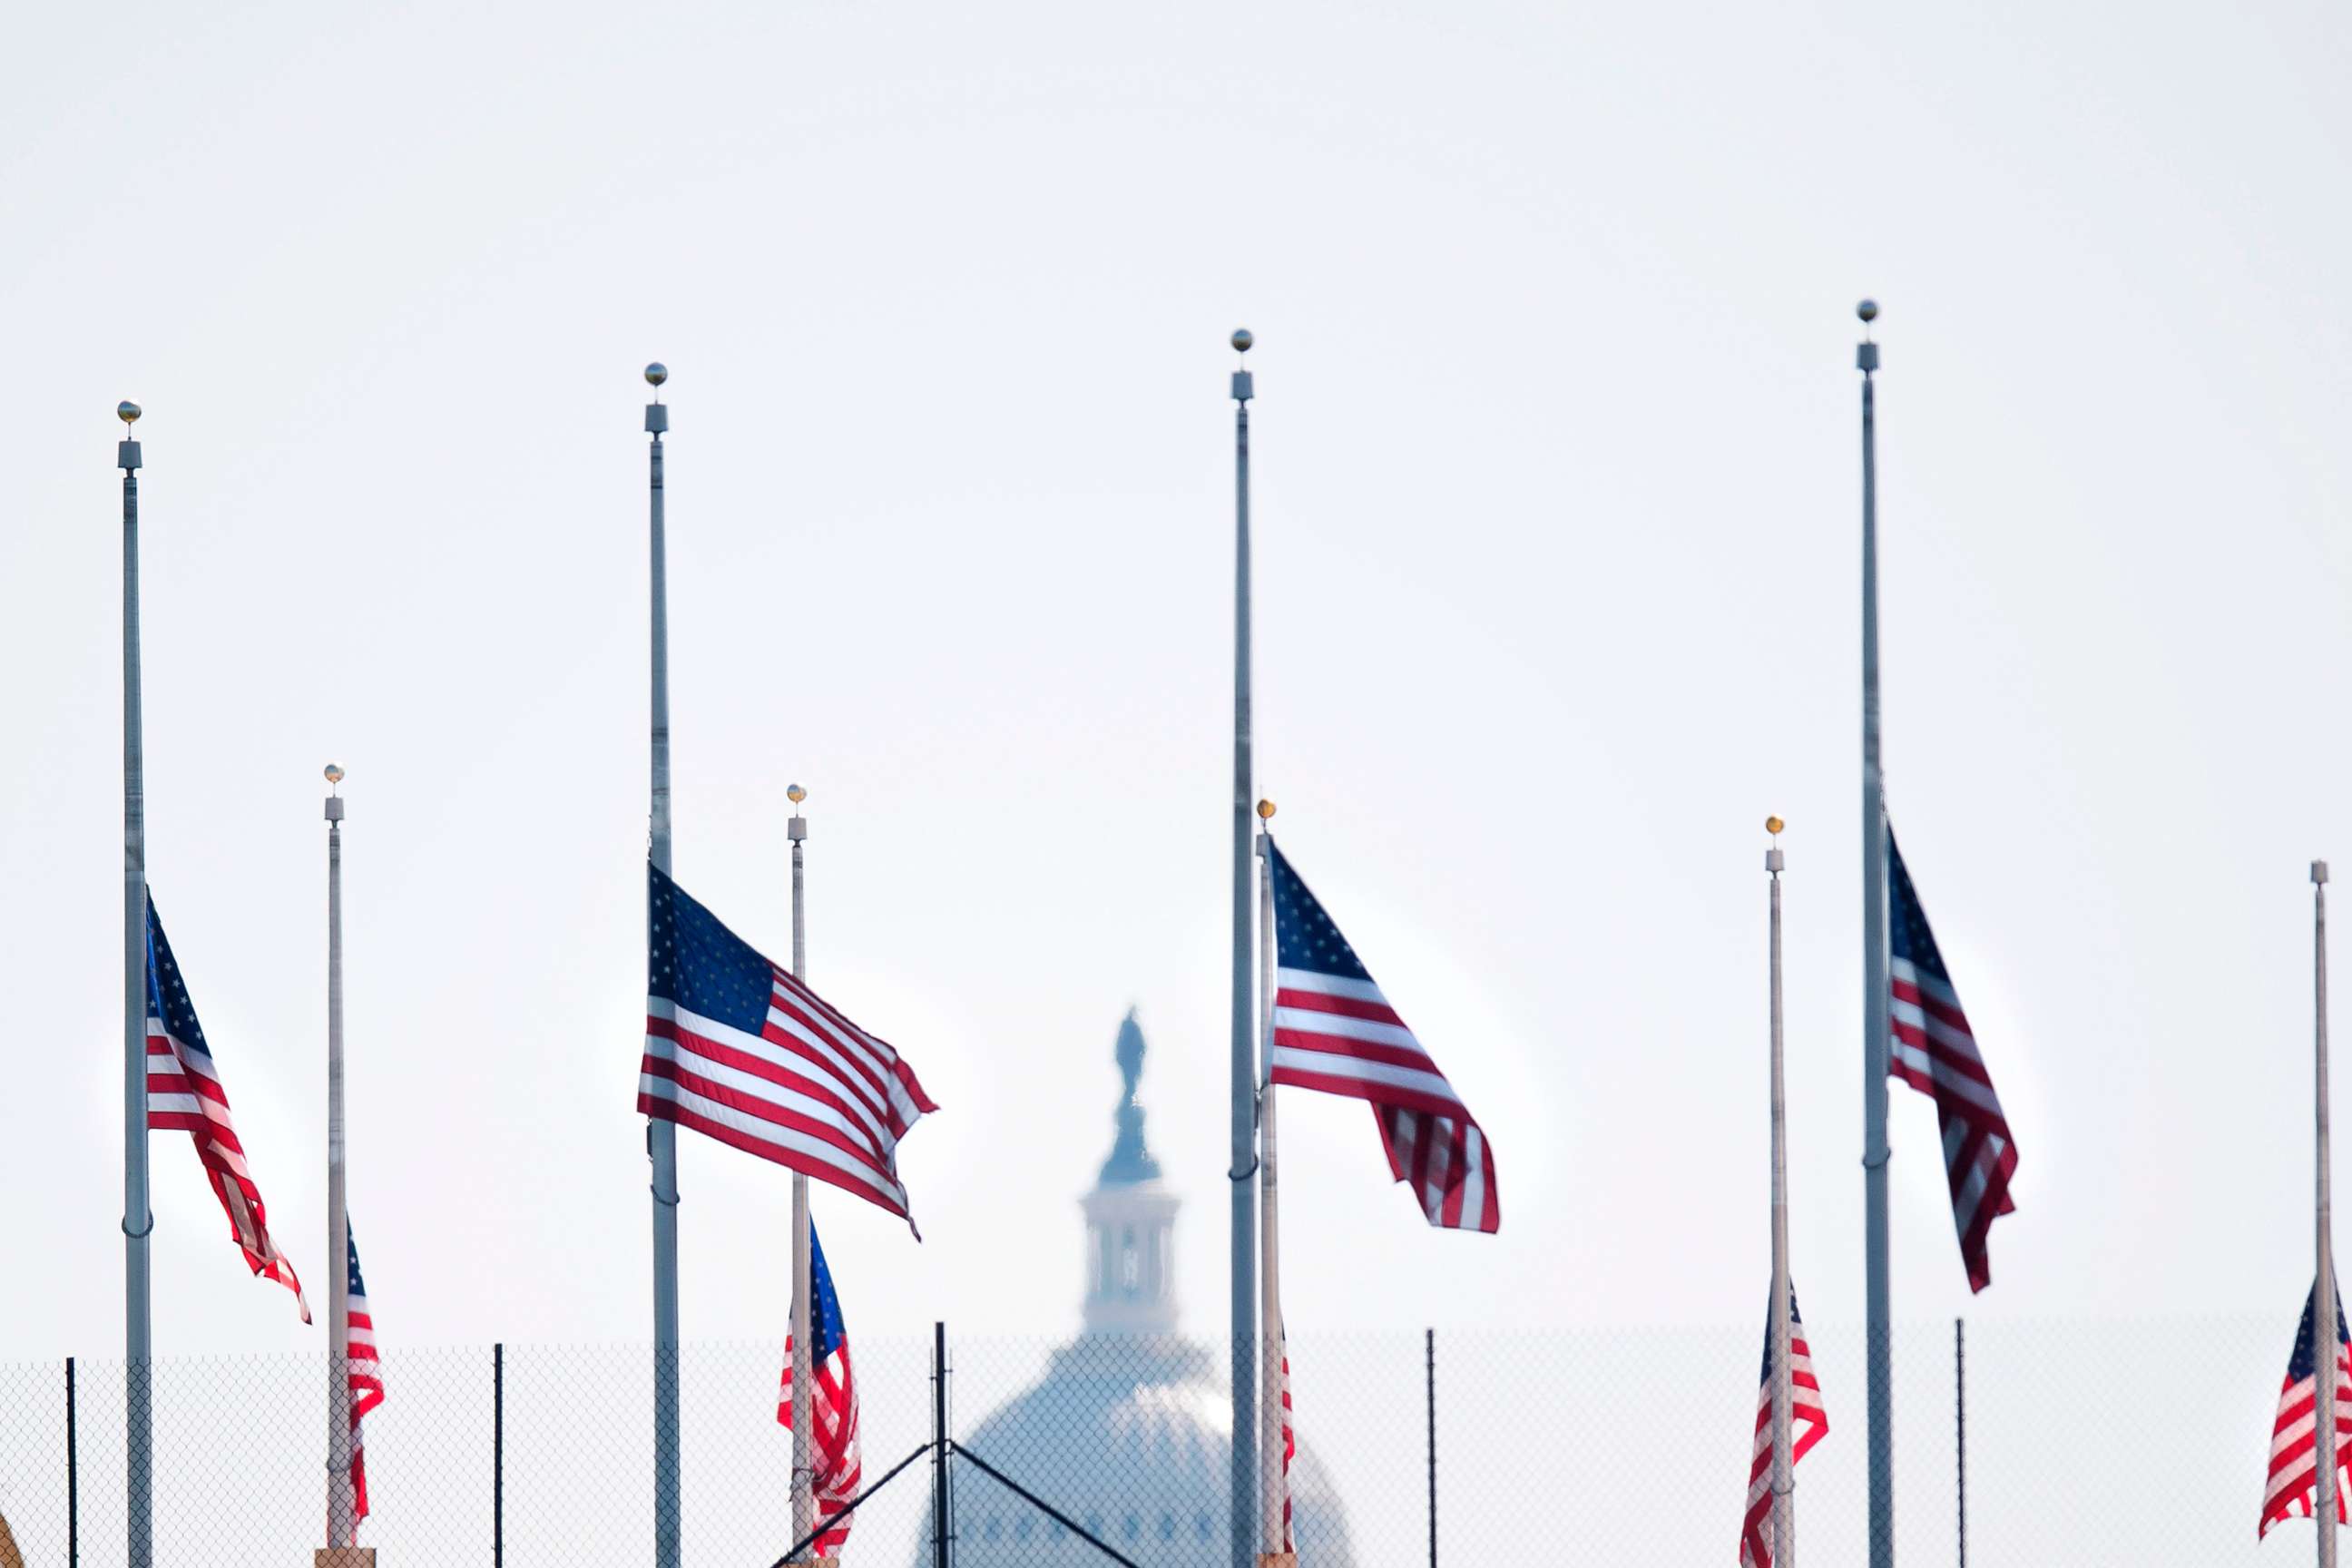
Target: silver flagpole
pixel 138 1220
pixel 1877 1000
pixel 1784 1472
pixel 803 1472
pixel 2324 1348
pixel 661 1137
pixel 1273 1553
pixel 1245 1056
pixel 341 1505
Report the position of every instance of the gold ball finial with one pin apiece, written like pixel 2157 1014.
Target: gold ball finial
pixel 334 773
pixel 794 794
pixel 1266 811
pixel 128 412
pixel 1774 825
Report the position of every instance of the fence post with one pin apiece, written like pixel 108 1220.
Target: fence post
pixel 498 1455
pixel 1428 1342
pixel 73 1476
pixel 1960 1426
pixel 939 1534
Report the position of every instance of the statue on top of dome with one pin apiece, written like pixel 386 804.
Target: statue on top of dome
pixel 1130 1161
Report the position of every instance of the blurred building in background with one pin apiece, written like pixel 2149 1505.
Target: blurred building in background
pixel 1130 1430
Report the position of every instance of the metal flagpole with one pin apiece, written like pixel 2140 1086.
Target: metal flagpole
pixel 1245 1056
pixel 1877 1000
pixel 138 1219
pixel 342 1514
pixel 661 1137
pixel 2324 1350
pixel 1784 1472
pixel 804 1471
pixel 1274 1552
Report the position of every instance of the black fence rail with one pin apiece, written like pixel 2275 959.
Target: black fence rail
pixel 2083 1443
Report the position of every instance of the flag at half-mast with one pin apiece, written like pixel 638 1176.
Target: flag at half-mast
pixel 739 1050
pixel 1290 1444
pixel 2293 1484
pixel 1809 1423
pixel 184 1093
pixel 1334 1031
pixel 363 1371
pixel 1932 1050
pixel 835 1457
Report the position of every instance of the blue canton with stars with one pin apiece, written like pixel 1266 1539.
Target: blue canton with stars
pixel 1909 937
pixel 699 965
pixel 825 1326
pixel 351 1243
pixel 2300 1368
pixel 167 994
pixel 1304 936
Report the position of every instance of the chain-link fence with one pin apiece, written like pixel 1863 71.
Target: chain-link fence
pixel 2084 1444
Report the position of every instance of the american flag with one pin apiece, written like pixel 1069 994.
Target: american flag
pixel 1289 1441
pixel 739 1050
pixel 185 1092
pixel 1335 1032
pixel 1809 1423
pixel 1933 1051
pixel 365 1376
pixel 834 1448
pixel 2293 1486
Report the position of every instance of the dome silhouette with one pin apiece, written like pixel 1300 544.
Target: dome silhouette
pixel 1130 1430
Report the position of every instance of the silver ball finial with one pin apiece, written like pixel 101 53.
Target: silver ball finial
pixel 128 412
pixel 1867 311
pixel 656 373
pixel 334 773
pixel 1241 340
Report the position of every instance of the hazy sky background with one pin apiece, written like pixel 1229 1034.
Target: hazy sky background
pixel 1556 450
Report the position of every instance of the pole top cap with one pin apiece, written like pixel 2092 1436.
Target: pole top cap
pixel 1243 339
pixel 1266 811
pixel 2319 873
pixel 656 373
pixel 128 412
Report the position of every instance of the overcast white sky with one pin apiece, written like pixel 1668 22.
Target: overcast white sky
pixel 1558 511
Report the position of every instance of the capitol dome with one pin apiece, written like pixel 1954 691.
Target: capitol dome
pixel 1129 1431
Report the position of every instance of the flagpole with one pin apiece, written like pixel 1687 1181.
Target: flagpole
pixel 1244 1062
pixel 1274 1550
pixel 1784 1478
pixel 138 1219
pixel 342 1506
pixel 2324 1349
pixel 1877 1000
pixel 804 1471
pixel 661 1137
